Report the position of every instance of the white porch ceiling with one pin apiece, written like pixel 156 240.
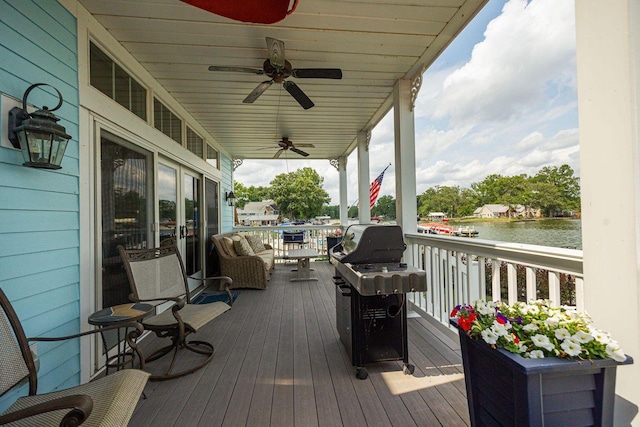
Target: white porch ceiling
pixel 374 42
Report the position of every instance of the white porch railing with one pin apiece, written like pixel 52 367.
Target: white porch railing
pixel 462 270
pixel 314 237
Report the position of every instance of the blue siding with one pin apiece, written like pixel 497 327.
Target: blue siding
pixel 39 214
pixel 226 168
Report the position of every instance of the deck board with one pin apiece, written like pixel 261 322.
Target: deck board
pixel 279 362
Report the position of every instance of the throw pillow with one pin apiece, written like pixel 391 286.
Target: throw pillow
pixel 227 245
pixel 255 242
pixel 241 246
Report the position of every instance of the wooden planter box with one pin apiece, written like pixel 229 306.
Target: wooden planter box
pixel 506 389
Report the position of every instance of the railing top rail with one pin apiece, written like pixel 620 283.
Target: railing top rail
pixel 285 227
pixel 545 257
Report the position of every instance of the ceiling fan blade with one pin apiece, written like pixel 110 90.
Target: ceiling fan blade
pixel 302 153
pixel 258 71
pixel 259 90
pixel 298 94
pixel 277 155
pixel 317 73
pixel 306 145
pixel 276 52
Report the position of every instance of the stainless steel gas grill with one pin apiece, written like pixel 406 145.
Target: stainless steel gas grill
pixel 371 283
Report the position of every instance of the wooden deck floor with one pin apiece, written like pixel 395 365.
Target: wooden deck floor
pixel 279 362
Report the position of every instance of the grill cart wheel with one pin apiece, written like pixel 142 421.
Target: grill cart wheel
pixel 408 369
pixel 362 374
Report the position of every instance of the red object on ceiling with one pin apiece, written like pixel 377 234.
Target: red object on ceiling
pixel 256 11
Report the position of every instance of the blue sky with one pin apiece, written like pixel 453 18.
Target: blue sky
pixel 501 99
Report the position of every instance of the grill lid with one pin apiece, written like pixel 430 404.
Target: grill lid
pixel 370 243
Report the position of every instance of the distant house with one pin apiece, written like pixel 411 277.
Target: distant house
pixel 503 211
pixel 436 216
pixel 259 213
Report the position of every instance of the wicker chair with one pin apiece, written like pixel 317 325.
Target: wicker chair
pixel 107 401
pixel 157 276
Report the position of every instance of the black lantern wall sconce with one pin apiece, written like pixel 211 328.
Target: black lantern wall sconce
pixel 230 197
pixel 38 135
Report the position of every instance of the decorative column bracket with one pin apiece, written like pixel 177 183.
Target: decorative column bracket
pixel 236 164
pixel 335 163
pixel 416 84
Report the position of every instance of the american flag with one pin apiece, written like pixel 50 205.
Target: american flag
pixel 374 189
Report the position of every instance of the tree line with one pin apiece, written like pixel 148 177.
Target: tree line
pixel 299 194
pixel 554 190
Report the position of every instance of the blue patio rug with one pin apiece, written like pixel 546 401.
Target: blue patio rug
pixel 213 296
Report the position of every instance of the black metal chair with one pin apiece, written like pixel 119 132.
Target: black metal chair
pixel 157 276
pixel 107 401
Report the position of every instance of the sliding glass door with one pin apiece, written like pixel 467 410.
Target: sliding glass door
pixel 179 207
pixel 126 173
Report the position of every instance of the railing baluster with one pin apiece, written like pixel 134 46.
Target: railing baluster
pixel 512 283
pixel 452 281
pixel 532 293
pixel 496 291
pixel 554 287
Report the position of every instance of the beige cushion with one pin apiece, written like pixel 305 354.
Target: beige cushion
pixel 241 246
pixel 267 258
pixel 227 245
pixel 255 242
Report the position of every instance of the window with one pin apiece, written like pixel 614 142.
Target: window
pixel 110 79
pixel 212 156
pixel 195 144
pixel 167 122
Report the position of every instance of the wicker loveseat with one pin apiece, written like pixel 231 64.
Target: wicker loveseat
pixel 246 271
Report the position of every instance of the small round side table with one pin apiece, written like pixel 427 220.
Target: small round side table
pixel 130 312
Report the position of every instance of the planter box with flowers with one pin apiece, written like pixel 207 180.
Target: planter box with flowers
pixel 533 365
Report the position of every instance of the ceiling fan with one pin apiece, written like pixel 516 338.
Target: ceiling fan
pixel 285 144
pixel 279 70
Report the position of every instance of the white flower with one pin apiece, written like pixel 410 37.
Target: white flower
pixel 500 330
pixel 615 352
pixel 542 341
pixel 489 336
pixel 582 337
pixel 530 327
pixel 562 334
pixel 536 354
pixel 600 336
pixel 552 321
pixel 571 347
pixel 487 308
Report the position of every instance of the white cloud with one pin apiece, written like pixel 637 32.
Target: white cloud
pixel 529 47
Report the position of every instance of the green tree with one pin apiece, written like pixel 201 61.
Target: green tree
pixel 299 194
pixel 385 206
pixel 567 185
pixel 249 194
pixel 440 199
pixel 332 211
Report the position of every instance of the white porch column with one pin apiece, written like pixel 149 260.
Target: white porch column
pixel 405 157
pixel 344 208
pixel 608 58
pixel 364 214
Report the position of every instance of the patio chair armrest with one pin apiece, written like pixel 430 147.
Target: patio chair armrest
pixel 137 331
pixel 80 406
pixel 164 299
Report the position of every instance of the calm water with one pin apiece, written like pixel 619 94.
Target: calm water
pixel 562 233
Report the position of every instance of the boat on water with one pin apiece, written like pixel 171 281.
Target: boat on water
pixel 446 229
